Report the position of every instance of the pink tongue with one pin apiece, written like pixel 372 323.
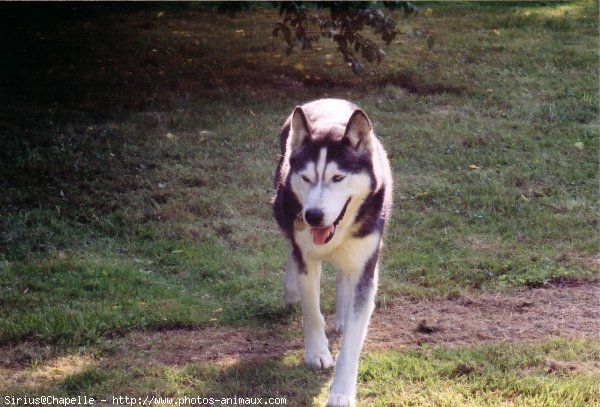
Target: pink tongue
pixel 320 235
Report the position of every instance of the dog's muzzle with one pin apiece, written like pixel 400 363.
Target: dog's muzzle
pixel 323 235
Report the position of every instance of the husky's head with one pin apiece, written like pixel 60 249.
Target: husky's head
pixel 330 166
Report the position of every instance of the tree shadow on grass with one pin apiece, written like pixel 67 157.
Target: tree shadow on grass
pixel 278 381
pixel 298 384
pixel 99 106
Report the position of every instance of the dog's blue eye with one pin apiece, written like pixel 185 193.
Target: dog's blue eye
pixel 306 179
pixel 337 178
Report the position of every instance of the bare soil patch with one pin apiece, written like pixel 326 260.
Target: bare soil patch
pixel 522 316
pixel 568 311
pixel 222 346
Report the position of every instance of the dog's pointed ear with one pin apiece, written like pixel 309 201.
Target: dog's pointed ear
pixel 299 128
pixel 359 131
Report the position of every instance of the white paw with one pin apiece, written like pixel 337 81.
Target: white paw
pixel 291 297
pixel 335 400
pixel 319 360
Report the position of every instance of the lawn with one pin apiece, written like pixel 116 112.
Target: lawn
pixel 137 150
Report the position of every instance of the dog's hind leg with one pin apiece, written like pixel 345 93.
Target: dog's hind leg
pixel 291 294
pixel 343 387
pixel 315 341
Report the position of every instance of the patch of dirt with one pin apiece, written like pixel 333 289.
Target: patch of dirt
pixel 222 346
pixel 522 316
pixel 565 367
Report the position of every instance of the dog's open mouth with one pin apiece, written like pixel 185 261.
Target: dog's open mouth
pixel 324 235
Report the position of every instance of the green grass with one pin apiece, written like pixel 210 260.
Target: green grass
pixel 137 182
pixel 489 376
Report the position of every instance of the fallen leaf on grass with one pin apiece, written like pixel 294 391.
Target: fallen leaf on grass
pixel 578 145
pixel 473 167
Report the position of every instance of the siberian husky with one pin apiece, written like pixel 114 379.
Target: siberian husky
pixel 333 196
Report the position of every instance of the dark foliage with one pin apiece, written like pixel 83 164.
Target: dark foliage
pixel 301 26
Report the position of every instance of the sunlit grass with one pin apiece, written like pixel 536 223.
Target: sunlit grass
pixel 554 373
pixel 45 374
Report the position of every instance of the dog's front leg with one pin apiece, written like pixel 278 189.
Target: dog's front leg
pixel 344 295
pixel 343 387
pixel 316 344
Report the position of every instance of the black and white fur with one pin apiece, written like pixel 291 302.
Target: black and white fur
pixel 333 196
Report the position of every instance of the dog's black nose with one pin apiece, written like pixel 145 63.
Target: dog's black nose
pixel 314 217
